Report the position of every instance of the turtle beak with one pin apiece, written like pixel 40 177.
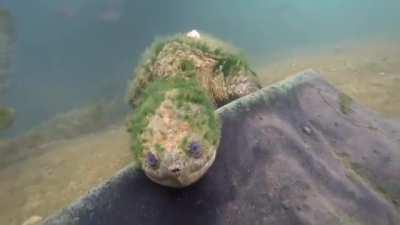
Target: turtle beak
pixel 174 171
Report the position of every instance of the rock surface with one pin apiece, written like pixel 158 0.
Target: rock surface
pixel 343 168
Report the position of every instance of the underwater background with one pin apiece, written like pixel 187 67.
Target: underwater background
pixel 70 62
pixel 71 53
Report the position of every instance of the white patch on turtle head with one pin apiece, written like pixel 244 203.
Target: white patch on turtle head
pixel 193 34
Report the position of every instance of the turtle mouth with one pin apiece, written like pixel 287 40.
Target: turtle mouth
pixel 178 177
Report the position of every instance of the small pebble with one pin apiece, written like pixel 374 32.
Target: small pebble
pixel 307 130
pixel 33 220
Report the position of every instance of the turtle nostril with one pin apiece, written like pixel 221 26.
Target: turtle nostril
pixel 175 170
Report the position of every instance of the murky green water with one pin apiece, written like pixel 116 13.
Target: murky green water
pixel 70 53
pixel 68 62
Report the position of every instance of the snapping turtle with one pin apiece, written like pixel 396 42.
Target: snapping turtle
pixel 175 90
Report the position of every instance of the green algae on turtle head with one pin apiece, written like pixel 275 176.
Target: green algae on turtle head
pixel 175 128
pixel 159 148
pixel 187 66
pixel 189 91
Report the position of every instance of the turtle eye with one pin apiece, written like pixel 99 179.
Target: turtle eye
pixel 152 160
pixel 195 149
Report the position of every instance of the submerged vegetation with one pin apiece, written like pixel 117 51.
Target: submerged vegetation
pixel 345 103
pixel 7 117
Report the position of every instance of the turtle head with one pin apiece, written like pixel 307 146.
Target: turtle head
pixel 179 167
pixel 181 137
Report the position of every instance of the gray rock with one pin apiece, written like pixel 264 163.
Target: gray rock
pixel 307 130
pixel 268 171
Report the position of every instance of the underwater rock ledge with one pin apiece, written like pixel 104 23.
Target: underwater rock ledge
pixel 296 152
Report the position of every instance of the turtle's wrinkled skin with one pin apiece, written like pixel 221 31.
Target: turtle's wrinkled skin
pixel 175 91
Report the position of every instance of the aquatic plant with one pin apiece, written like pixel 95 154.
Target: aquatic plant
pixel 7 117
pixel 345 103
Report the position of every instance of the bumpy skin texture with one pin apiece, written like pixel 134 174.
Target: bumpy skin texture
pixel 175 130
pixel 220 68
